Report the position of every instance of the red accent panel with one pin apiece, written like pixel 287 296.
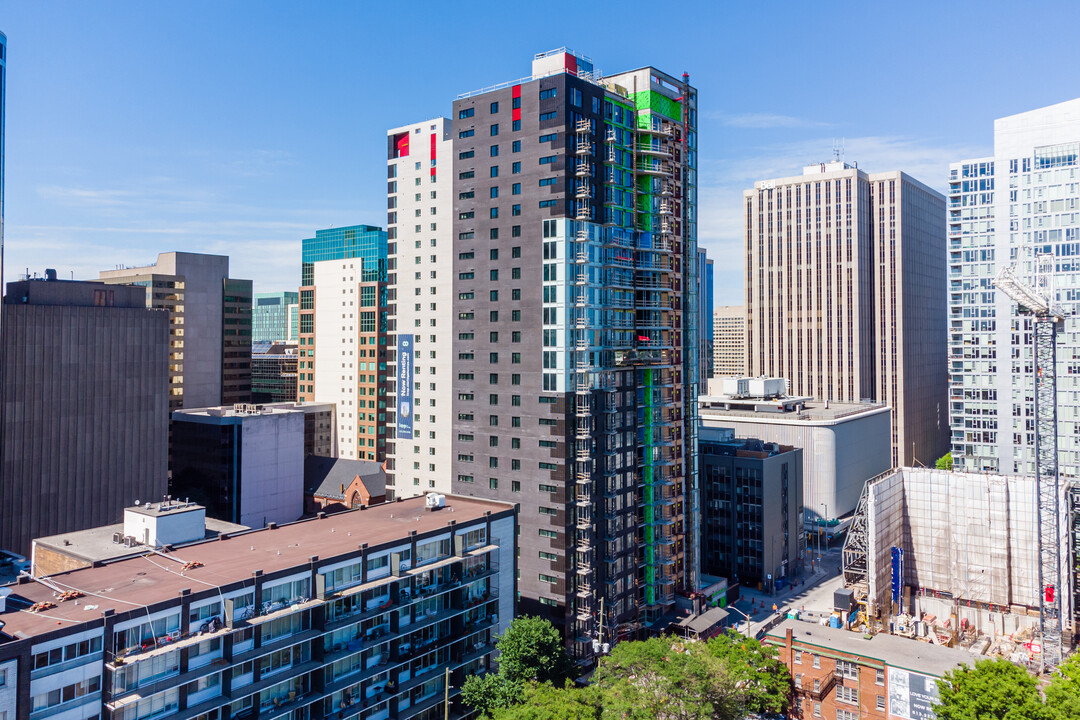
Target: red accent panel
pixel 515 91
pixel 516 114
pixel 403 145
pixel 433 154
pixel 571 63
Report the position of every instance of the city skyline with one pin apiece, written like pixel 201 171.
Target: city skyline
pixel 230 164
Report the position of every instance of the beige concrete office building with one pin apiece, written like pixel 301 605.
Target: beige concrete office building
pixel 845 295
pixel 729 341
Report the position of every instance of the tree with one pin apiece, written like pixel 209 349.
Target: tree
pixel 666 678
pixel 992 690
pixel 530 650
pixel 1063 692
pixel 944 462
pixel 547 702
pixel 763 679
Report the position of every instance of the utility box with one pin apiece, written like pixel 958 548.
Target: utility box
pixel 844 600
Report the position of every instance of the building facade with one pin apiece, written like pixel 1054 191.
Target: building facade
pixel 845 295
pixel 245 463
pixel 851 676
pixel 303 620
pixel 273 372
pixel 575 282
pixel 343 314
pixel 3 104
pixel 270 317
pixel 705 318
pixel 1004 211
pixel 420 224
pixel 210 325
pixel 752 503
pixel 729 341
pixel 84 397
pixel 844 444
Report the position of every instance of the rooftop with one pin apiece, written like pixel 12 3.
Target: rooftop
pixel 808 410
pixel 895 651
pixel 240 410
pixel 137 582
pixel 327 477
pixel 97 544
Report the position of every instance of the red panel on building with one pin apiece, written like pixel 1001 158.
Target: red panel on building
pixel 515 91
pixel 432 154
pixel 401 144
pixel 571 63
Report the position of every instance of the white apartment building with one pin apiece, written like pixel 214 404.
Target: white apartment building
pixel 1004 210
pixel 420 251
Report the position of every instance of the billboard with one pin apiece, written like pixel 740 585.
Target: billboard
pixel 912 696
pixel 405 387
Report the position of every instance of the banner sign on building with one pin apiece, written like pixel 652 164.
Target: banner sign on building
pixel 912 696
pixel 897 573
pixel 405 387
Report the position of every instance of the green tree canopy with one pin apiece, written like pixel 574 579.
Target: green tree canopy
pixel 547 702
pixel 1063 692
pixel 944 462
pixel 992 690
pixel 530 651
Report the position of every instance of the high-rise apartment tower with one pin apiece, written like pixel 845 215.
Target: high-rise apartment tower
pixel 576 311
pixel 1005 210
pixel 729 341
pixel 846 298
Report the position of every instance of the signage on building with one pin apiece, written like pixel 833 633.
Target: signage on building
pixel 912 696
pixel 405 387
pixel 897 573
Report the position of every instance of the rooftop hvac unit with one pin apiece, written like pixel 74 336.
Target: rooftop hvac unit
pixel 118 537
pixel 434 501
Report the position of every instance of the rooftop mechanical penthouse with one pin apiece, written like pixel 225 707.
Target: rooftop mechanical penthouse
pixel 355 615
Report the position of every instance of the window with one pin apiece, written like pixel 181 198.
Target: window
pixel 495 129
pixel 515 125
pixel 817 661
pixel 545 182
pixel 467 175
pixel 817 709
pixel 548 533
pixel 515 252
pixel 494 107
pixel 847 694
pixel 465 155
pixel 494 151
pixel 549 138
pixel 548 488
pixel 879 676
pixel 547 203
pixel 467 113
pixel 466 134
pixel 515 146
pixel 547 94
pixel 515 486
pixel 575 97
pixel 494 213
pixel 515 103
pixel 548 116
pixel 515 168
pixel 548 578
pixel 548 466
pixel 798 680
pixel 847 669
pixel 515 210
pixel 880 702
pixel 548 556
pixel 547 510
pixel 493 483
pixel 842 714
pixel 548 159
pixel 465 478
pixel 494 171
pixel 63 654
pixel 798 657
pixel 515 189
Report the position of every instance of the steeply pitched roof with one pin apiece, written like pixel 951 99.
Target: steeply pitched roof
pixel 325 476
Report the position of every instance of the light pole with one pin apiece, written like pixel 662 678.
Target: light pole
pixel 825 526
pixel 745 616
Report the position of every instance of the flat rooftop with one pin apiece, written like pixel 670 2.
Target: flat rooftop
pixel 895 651
pixel 230 411
pixel 759 410
pixel 96 544
pixel 150 579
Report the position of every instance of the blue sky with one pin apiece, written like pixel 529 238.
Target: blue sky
pixel 241 127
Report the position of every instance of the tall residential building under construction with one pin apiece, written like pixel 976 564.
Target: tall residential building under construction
pixel 575 324
pixel 845 295
pixel 1004 210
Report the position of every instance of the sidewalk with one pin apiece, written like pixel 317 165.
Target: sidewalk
pixel 759 605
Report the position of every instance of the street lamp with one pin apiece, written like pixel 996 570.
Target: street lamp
pixel 732 607
pixel 825 520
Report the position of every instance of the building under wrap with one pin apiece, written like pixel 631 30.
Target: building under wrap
pixel 969 541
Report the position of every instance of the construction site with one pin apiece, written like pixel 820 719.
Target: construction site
pixel 953 559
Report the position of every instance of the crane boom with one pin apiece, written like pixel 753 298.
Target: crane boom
pixel 1047 320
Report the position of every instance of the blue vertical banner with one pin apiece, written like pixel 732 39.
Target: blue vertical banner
pixel 897 573
pixel 405 387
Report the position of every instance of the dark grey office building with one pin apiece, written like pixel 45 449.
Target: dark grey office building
pixel 751 530
pixel 84 393
pixel 575 263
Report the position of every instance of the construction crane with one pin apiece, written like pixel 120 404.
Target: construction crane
pixel 1048 317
